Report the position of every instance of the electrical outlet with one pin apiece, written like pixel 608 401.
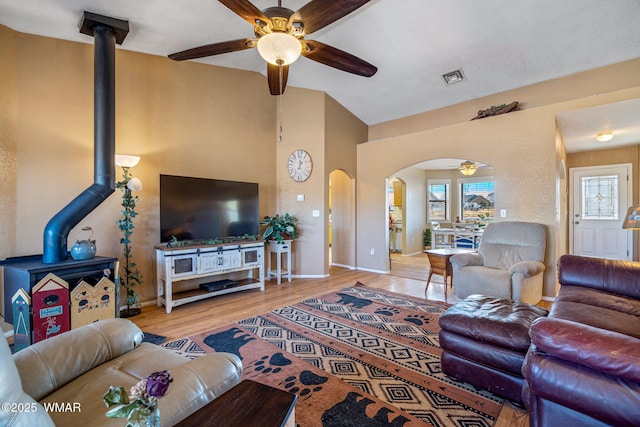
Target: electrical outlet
pixel 372 251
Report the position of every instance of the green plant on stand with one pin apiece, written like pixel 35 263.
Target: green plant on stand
pixel 279 228
pixel 131 276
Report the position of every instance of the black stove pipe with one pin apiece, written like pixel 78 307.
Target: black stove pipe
pixel 58 228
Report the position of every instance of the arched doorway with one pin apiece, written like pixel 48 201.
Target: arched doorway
pixel 435 191
pixel 396 197
pixel 342 220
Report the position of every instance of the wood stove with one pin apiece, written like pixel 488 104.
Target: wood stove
pixel 27 272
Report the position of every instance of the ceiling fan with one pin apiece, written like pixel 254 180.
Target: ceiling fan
pixel 279 37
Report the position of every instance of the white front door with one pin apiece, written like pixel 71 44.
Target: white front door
pixel 601 196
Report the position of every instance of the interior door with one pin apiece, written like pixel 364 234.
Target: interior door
pixel 601 195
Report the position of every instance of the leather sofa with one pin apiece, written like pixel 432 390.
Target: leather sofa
pixel 583 367
pixel 484 341
pixel 76 368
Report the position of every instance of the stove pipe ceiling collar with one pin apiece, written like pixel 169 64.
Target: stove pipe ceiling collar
pixel 106 32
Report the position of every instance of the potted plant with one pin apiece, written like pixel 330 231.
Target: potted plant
pixel 426 238
pixel 131 276
pixel 483 220
pixel 279 228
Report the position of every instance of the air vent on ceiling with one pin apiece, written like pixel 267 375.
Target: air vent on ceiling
pixel 453 77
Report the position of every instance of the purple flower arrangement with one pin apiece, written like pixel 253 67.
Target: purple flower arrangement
pixel 142 401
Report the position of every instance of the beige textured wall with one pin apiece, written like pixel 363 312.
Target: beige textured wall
pixel 316 123
pixel 343 132
pixel 9 118
pixel 303 128
pixel 522 148
pixel 503 142
pixel 182 118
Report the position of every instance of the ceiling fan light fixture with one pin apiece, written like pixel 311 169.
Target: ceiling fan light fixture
pixel 604 136
pixel 468 168
pixel 279 48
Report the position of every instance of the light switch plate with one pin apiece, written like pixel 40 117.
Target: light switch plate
pixel 300 197
pixel 503 213
pixel 316 213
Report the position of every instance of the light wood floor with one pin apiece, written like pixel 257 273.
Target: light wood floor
pixel 210 313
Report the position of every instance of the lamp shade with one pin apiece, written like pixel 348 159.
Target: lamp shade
pixel 468 168
pixel 632 220
pixel 126 161
pixel 279 48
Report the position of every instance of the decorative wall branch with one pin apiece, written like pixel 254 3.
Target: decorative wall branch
pixel 495 110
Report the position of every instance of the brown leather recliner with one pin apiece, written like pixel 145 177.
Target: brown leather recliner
pixel 583 367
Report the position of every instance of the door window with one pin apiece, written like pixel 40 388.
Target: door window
pixel 599 197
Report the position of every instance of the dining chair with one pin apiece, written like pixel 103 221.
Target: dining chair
pixel 464 236
pixel 440 240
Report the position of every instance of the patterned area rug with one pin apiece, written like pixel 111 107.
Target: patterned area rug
pixel 358 357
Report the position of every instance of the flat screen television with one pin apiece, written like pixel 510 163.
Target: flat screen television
pixel 202 208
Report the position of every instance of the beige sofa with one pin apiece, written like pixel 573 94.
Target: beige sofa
pixel 76 368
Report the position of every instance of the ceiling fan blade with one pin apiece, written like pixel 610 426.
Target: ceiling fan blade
pixel 246 10
pixel 214 49
pixel 276 84
pixel 318 14
pixel 336 58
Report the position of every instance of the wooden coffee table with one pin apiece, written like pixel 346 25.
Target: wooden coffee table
pixel 439 264
pixel 248 404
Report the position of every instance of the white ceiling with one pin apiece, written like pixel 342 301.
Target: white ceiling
pixel 579 128
pixel 499 44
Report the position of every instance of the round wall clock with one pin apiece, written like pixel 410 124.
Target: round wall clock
pixel 300 165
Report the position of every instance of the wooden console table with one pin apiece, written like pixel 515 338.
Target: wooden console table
pixel 234 262
pixel 248 404
pixel 439 264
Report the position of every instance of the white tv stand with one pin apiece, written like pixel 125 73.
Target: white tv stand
pixel 228 260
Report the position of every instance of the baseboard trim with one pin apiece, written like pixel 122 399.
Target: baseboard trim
pixel 370 270
pixel 545 298
pixel 350 267
pixel 413 254
pixel 309 276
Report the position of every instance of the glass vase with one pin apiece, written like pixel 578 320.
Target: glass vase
pixel 154 418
